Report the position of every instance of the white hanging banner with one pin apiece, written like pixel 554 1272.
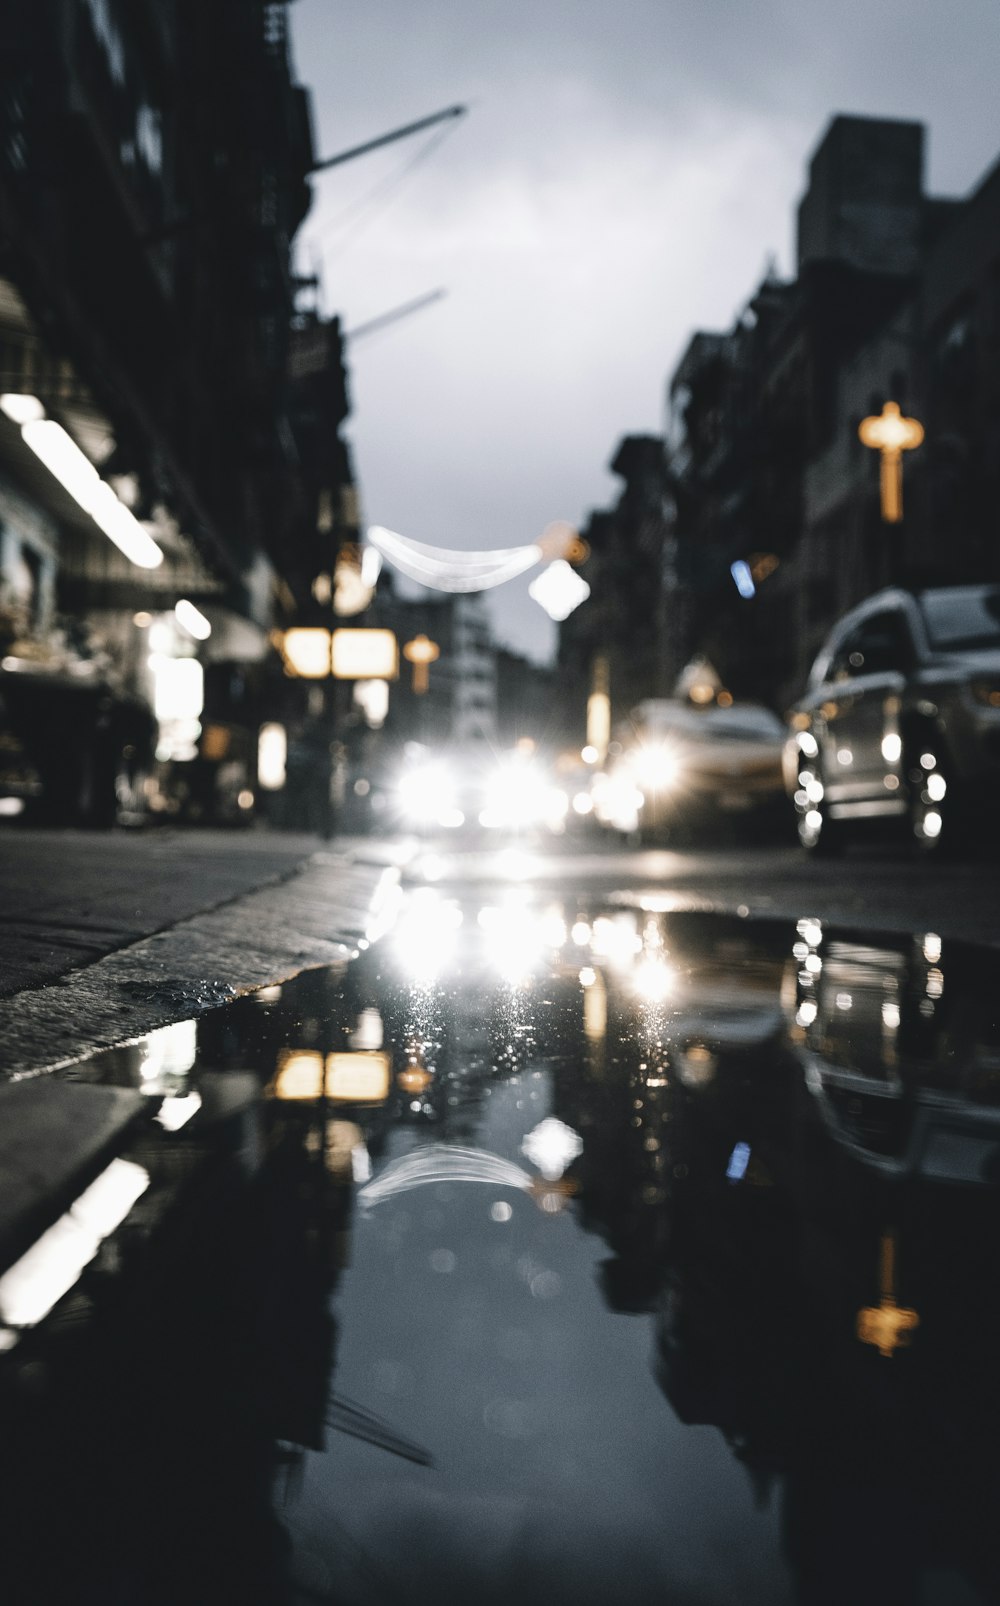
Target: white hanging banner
pixel 445 569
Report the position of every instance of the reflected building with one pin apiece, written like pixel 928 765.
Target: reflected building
pixel 150 1414
pixel 881 1136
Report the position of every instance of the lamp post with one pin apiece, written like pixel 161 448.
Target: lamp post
pixel 421 653
pixel 891 434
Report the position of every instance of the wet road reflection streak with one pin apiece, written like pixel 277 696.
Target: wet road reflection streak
pixel 766 1160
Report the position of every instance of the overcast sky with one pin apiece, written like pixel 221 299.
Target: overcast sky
pixel 623 176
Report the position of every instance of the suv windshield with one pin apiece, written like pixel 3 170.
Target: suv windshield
pixel 962 616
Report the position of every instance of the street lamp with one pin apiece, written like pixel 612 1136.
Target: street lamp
pixel 891 434
pixel 421 653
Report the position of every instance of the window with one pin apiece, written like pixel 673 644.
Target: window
pixel 878 645
pixel 962 616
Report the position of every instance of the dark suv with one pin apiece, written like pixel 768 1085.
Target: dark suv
pixel 900 720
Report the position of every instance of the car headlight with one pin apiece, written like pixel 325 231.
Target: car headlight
pixel 986 692
pixel 426 792
pixel 515 798
pixel 656 768
pixel 617 802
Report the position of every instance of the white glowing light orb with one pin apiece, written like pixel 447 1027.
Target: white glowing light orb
pixel 559 589
pixel 552 1146
pixel 892 747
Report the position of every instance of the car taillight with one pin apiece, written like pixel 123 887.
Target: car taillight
pixel 986 692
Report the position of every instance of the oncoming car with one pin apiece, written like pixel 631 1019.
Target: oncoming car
pixel 682 768
pixel 471 789
pixel 900 721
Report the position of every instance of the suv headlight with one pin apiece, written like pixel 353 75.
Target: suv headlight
pixel 655 767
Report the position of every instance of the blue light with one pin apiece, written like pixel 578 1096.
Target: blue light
pixel 740 571
pixel 738 1162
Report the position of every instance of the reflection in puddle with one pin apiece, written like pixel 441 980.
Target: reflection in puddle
pixel 535 1193
pixel 442 1163
pixel 52 1266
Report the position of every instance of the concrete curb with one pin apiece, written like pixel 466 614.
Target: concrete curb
pixel 315 917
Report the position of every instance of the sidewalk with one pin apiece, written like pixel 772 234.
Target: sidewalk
pixel 103 938
pixel 69 897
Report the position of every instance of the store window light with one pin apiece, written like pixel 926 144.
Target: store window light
pixel 192 620
pixel 78 476
pixel 272 757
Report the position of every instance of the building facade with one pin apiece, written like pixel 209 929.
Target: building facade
pixel 619 642
pixel 895 297
pixel 154 161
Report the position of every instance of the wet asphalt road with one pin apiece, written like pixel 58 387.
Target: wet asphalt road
pixel 607 1231
pixel 877 886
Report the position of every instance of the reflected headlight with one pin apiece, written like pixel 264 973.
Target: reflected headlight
pixel 427 792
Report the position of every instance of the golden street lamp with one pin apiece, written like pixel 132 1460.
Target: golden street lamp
pixel 421 653
pixel 891 434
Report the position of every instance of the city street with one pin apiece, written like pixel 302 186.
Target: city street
pixel 499 759
pixel 585 1225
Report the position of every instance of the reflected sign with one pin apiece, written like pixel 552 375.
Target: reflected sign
pixel 358 1078
pixel 306 1074
pixel 299 1074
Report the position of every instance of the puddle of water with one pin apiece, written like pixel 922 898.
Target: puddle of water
pixel 575 1252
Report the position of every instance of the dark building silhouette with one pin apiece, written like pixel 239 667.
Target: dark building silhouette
pixel 154 162
pixel 620 635
pixel 524 701
pixel 895 297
